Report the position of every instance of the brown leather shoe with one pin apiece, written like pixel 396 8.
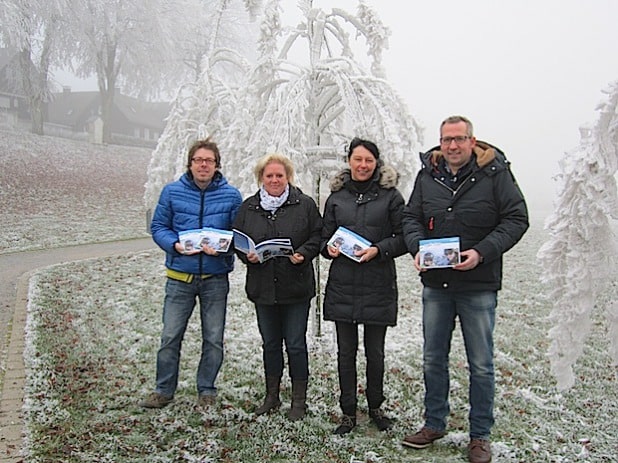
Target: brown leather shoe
pixel 206 400
pixel 422 439
pixel 156 400
pixel 479 451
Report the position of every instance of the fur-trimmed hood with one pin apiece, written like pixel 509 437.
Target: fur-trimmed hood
pixel 386 176
pixel 485 153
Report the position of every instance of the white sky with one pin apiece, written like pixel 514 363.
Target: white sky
pixel 527 73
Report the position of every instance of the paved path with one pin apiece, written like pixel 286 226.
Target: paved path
pixel 15 270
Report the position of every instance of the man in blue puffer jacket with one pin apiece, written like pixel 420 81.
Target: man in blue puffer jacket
pixel 201 198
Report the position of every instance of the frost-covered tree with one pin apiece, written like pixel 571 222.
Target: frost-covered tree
pixel 206 105
pixel 234 31
pixel 579 259
pixel 306 97
pixel 34 29
pixel 124 42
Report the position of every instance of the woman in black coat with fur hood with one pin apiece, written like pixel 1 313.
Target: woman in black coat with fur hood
pixel 365 200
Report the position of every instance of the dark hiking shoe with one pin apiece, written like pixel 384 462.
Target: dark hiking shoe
pixel 479 451
pixel 378 417
pixel 156 400
pixel 206 400
pixel 347 424
pixel 422 439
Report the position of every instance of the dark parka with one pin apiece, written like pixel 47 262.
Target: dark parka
pixel 364 292
pixel 278 281
pixel 487 211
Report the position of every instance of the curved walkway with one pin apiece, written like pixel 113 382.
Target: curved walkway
pixel 15 271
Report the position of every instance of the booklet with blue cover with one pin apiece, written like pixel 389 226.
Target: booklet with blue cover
pixel 195 239
pixel 349 243
pixel 276 247
pixel 439 252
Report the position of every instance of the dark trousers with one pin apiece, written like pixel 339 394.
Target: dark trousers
pixel 347 343
pixel 279 323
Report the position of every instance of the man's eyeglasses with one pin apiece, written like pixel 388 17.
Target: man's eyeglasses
pixel 207 161
pixel 459 139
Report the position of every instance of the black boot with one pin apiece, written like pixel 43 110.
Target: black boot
pixel 299 401
pixel 383 422
pixel 271 402
pixel 348 422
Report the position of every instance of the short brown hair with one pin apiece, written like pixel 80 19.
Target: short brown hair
pixel 456 120
pixel 274 158
pixel 207 144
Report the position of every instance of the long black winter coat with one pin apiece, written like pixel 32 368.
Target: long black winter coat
pixel 277 280
pixel 364 292
pixel 487 211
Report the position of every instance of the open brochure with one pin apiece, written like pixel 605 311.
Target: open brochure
pixel 276 247
pixel 439 252
pixel 219 240
pixel 349 243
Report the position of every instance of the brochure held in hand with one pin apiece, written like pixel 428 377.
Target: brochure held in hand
pixel 439 252
pixel 217 239
pixel 349 243
pixel 276 247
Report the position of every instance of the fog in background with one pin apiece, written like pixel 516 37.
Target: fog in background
pixel 527 73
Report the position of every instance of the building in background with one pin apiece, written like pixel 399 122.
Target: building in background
pixel 13 102
pixel 78 115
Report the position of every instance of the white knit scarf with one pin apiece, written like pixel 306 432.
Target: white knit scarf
pixel 272 203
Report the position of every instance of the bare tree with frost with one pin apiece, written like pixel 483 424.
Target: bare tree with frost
pixel 124 43
pixel 209 103
pixel 579 259
pixel 34 29
pixel 305 97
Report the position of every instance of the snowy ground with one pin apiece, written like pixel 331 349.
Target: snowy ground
pixel 55 191
pixel 93 332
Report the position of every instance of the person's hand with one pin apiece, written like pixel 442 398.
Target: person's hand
pixel 297 258
pixel 181 250
pixel 333 251
pixel 209 250
pixel 417 263
pixel 367 254
pixel 469 260
pixel 253 258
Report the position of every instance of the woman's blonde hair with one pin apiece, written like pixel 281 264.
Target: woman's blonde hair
pixel 270 159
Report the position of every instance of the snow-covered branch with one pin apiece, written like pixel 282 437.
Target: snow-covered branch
pixel 580 256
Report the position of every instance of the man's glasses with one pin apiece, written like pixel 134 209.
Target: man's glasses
pixel 207 161
pixel 459 139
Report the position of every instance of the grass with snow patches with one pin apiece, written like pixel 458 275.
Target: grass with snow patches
pixel 94 326
pixel 93 331
pixel 55 192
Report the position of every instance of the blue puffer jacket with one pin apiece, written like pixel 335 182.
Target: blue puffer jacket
pixel 183 206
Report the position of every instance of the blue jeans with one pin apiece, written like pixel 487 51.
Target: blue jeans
pixel 177 309
pixel 477 312
pixel 347 345
pixel 284 322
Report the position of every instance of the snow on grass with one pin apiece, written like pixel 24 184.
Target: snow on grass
pixel 58 192
pixel 93 331
pixel 93 334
